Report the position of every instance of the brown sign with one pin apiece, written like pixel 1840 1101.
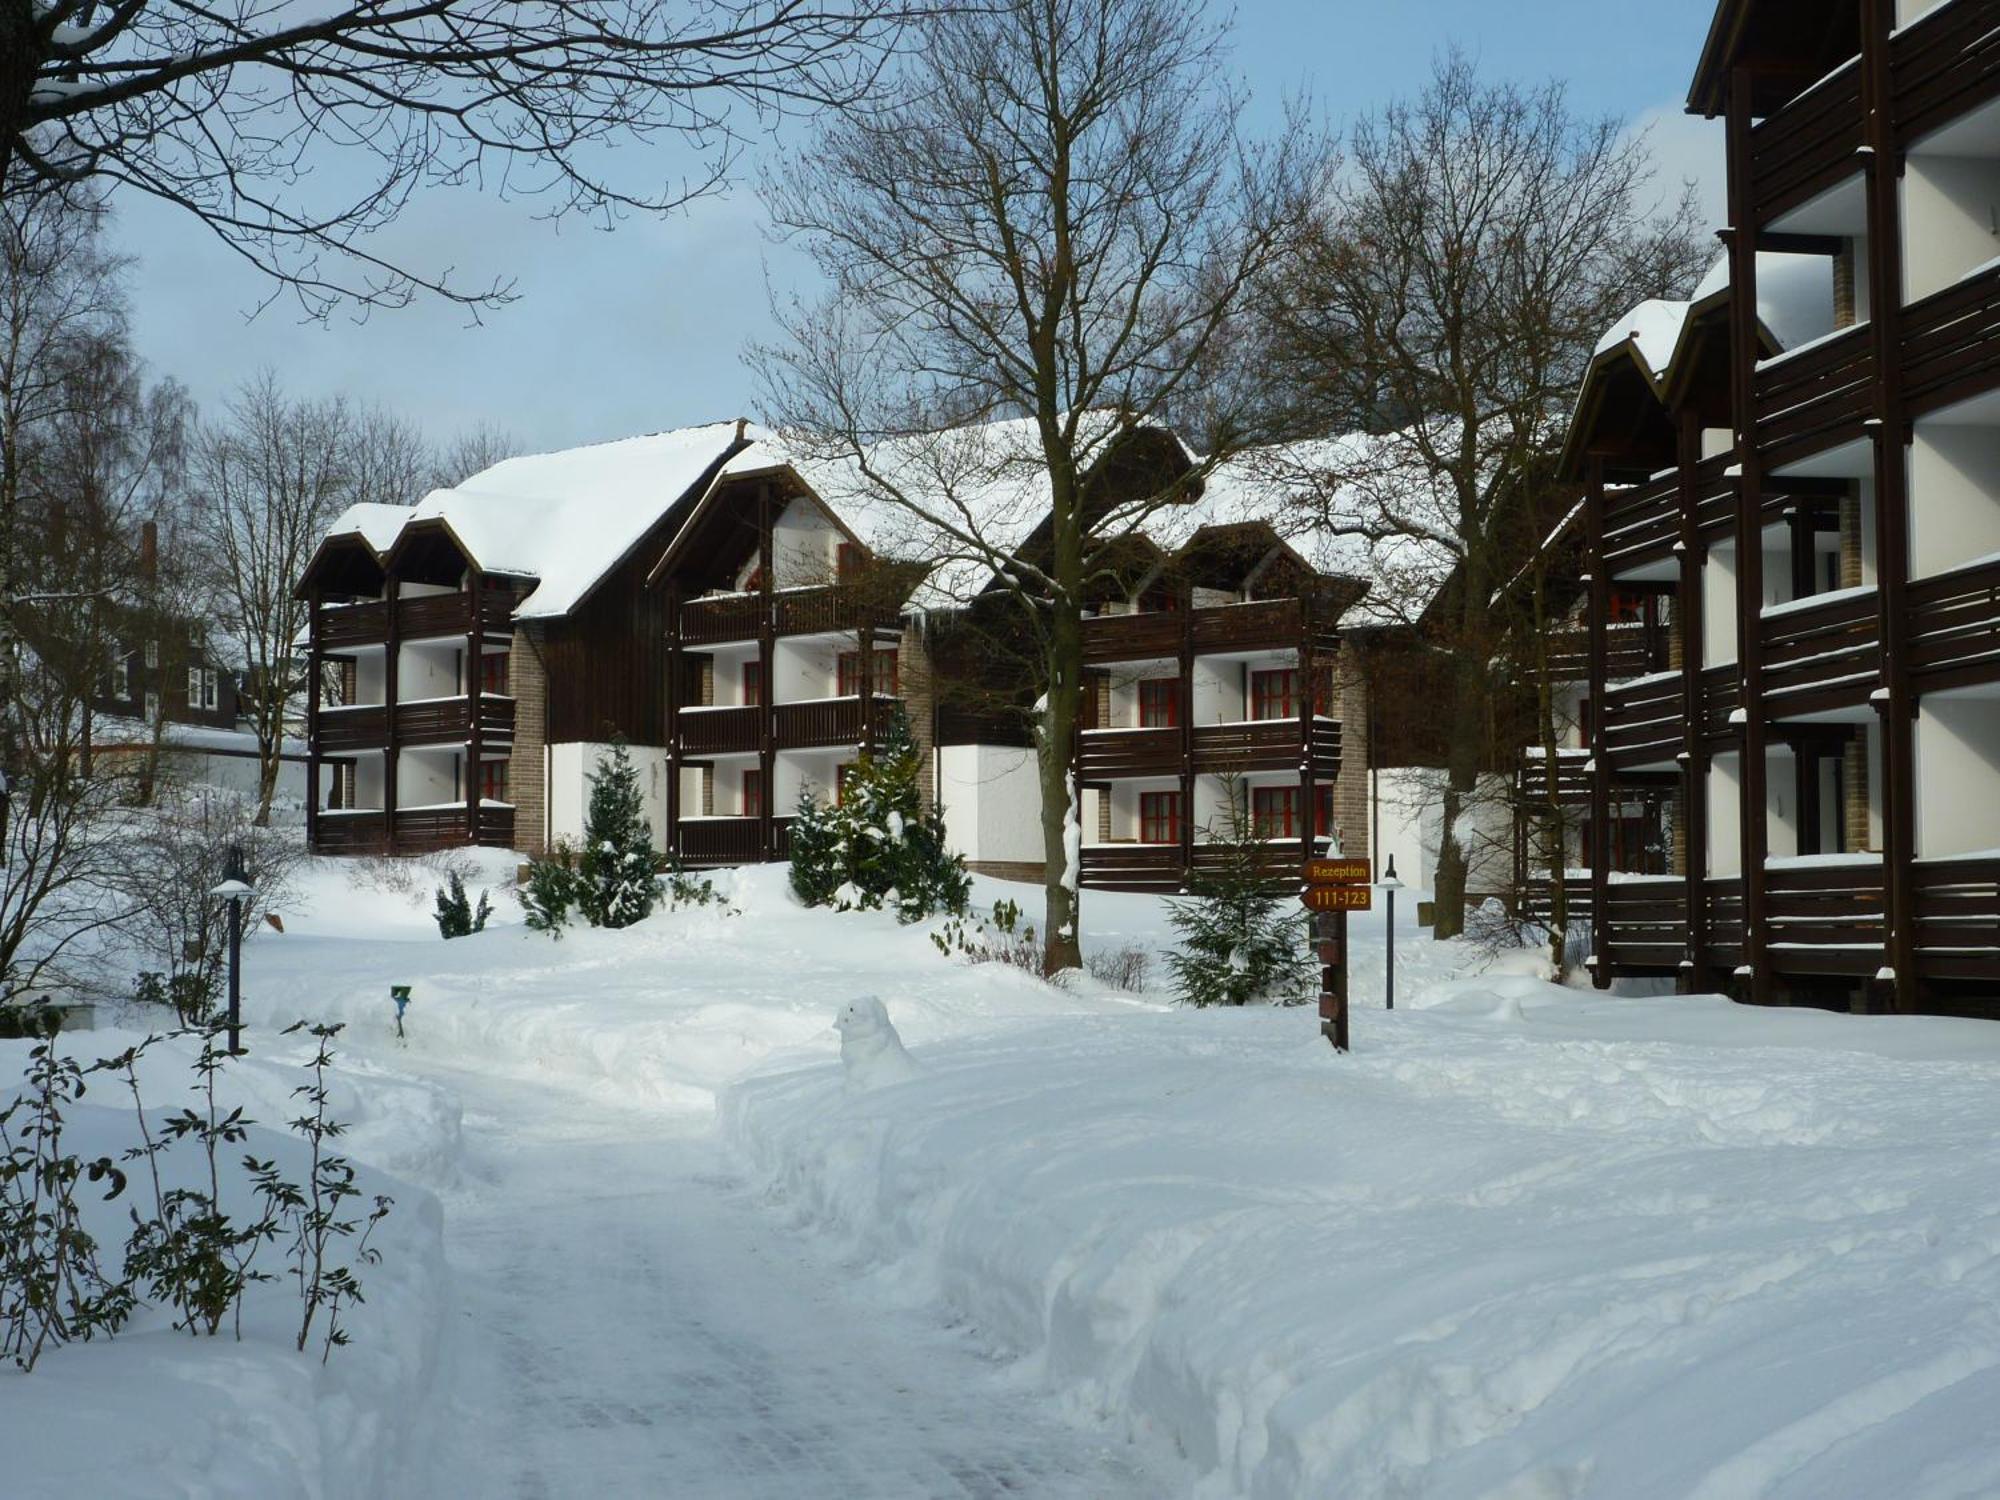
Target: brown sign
pixel 1339 897
pixel 1339 872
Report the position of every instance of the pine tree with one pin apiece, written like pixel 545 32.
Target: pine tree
pixel 618 880
pixel 1241 943
pixel 878 847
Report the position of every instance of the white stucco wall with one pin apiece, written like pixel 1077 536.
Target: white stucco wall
pixel 425 778
pixel 1949 204
pixel 1781 796
pixel 1955 495
pixel 1718 606
pixel 1725 821
pixel 1410 816
pixel 992 804
pixel 427 669
pixel 570 765
pixel 371 684
pixel 804 669
pixel 1958 766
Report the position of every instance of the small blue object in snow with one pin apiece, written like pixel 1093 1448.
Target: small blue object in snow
pixel 400 993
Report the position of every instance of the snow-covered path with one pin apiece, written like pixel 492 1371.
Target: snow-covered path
pixel 630 1322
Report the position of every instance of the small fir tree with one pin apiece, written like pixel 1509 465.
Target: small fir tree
pixel 618 880
pixel 878 846
pixel 455 914
pixel 1241 941
pixel 549 894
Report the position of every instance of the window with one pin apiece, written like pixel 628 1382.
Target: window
pixel 840 775
pixel 753 794
pixel 152 708
pixel 493 780
pixel 849 671
pixel 1272 694
pixel 153 654
pixel 493 672
pixel 1626 607
pixel 1159 817
pixel 753 683
pixel 1274 812
pixel 1323 823
pixel 201 687
pixel 1159 703
pixel 847 559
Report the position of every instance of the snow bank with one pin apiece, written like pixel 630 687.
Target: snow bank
pixel 1522 1243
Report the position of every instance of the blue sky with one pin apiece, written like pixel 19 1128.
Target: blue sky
pixel 642 328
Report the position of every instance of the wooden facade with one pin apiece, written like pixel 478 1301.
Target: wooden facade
pixel 1822 543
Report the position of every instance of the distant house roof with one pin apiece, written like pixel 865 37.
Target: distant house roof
pixel 564 519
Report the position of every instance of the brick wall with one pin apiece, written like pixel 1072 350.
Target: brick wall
pixel 916 681
pixel 527 788
pixel 1350 791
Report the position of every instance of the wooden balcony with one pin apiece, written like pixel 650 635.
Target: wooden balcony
pixel 419 830
pixel 1808 146
pixel 1943 65
pixel 1219 749
pixel 1825 918
pixel 1950 343
pixel 1644 925
pixel 1573 778
pixel 1630 651
pixel 1642 721
pixel 1721 697
pixel 1724 896
pixel 707 843
pixel 1158 867
pixel 339 627
pixel 1958 919
pixel 719 731
pixel 807 611
pixel 1641 524
pixel 1821 655
pixel 1816 397
pixel 427 721
pixel 1955 628
pixel 1154 635
pixel 822 723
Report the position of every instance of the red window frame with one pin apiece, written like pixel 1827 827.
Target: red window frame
pixel 1625 607
pixel 1159 817
pixel 847 669
pixel 1324 825
pixel 493 672
pixel 1160 703
pixel 847 559
pixel 493 781
pixel 1274 693
pixel 753 684
pixel 753 793
pixel 1274 812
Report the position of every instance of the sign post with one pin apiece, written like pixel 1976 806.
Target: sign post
pixel 1335 887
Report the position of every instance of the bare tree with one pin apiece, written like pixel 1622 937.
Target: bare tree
pixel 473 449
pixel 1450 295
pixel 226 110
pixel 1054 220
pixel 270 480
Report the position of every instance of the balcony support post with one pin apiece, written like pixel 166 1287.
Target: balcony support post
pixel 1600 755
pixel 1185 701
pixel 675 667
pixel 1743 338
pixel 1898 702
pixel 475 671
pixel 766 650
pixel 1693 977
pixel 1308 806
pixel 313 665
pixel 392 589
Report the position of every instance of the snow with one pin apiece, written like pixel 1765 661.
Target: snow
pixel 1072 1242
pixel 1653 328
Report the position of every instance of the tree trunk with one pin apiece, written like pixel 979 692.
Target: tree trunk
pixel 1551 820
pixel 1062 834
pixel 270 758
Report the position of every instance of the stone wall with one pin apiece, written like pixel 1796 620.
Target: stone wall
pixel 527 784
pixel 1350 791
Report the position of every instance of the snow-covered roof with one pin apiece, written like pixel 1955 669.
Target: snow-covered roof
pixel 564 519
pixel 1794 294
pixel 1653 328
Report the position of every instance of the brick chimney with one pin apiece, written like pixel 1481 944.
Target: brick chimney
pixel 149 550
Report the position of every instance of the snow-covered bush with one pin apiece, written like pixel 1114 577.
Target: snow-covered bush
pixel 1120 968
pixel 548 895
pixel 617 873
pixel 1241 943
pixel 455 914
pixel 877 847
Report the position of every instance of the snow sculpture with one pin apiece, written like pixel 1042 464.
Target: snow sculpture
pixel 870 1050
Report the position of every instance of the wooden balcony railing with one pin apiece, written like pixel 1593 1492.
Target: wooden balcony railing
pixel 1141 637
pixel 1825 918
pixel 1219 749
pixel 1573 778
pixel 1644 925
pixel 1158 867
pixel 1807 146
pixel 418 617
pixel 706 843
pixel 1950 343
pixel 419 830
pixel 1958 919
pixel 1816 397
pixel 1821 654
pixel 732 617
pixel 1943 65
pixel 344 730
pixel 428 721
pixel 1725 921
pixel 1630 651
pixel 1717 493
pixel 1641 523
pixel 805 611
pixel 823 722
pixel 1642 720
pixel 719 731
pixel 1721 696
pixel 1116 754
pixel 1955 628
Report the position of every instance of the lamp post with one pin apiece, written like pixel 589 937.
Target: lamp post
pixel 1391 885
pixel 234 888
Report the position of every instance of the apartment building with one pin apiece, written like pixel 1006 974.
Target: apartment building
pixel 1790 773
